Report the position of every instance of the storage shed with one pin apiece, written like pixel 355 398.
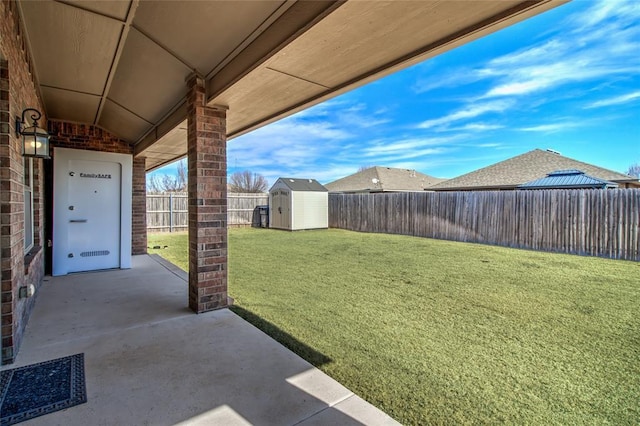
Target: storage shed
pixel 296 204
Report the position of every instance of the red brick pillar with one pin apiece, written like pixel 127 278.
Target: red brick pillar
pixel 139 207
pixel 207 164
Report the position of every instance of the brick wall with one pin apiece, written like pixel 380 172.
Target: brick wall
pixel 17 92
pixel 139 208
pixel 86 136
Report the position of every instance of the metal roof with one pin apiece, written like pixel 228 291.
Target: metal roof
pixel 296 184
pixel 571 178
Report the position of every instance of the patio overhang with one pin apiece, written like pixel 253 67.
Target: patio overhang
pixel 122 65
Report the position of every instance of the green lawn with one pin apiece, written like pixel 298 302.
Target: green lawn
pixel 439 332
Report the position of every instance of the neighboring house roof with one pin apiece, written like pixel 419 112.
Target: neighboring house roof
pixel 536 164
pixel 574 179
pixel 383 179
pixel 297 184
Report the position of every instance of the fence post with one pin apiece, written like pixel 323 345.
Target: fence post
pixel 171 212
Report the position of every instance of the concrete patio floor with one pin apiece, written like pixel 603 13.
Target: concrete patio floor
pixel 151 361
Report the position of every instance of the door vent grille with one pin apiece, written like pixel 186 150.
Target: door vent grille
pixel 94 253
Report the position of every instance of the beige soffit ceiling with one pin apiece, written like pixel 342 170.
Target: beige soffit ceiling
pixel 122 65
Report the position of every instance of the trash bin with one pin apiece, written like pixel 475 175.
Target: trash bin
pixel 264 216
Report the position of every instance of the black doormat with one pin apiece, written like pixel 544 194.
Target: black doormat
pixel 42 388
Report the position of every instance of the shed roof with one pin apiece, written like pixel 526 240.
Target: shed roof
pixel 536 164
pixel 568 179
pixel 381 179
pixel 297 184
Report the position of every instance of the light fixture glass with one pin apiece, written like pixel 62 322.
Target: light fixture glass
pixel 35 140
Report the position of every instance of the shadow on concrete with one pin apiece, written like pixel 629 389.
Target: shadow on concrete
pixel 306 352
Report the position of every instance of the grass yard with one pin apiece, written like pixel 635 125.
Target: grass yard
pixel 437 332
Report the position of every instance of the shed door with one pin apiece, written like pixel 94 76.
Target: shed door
pixel 274 215
pixel 281 211
pixel 286 209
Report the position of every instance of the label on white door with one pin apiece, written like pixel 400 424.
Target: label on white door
pixel 93 215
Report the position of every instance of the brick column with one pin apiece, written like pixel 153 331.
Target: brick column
pixel 207 164
pixel 139 207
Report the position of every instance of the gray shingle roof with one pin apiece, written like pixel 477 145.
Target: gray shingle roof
pixel 536 164
pixel 568 179
pixel 297 184
pixel 379 179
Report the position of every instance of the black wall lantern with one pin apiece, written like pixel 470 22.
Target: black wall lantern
pixel 35 141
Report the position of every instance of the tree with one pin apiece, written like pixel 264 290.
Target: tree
pixel 634 170
pixel 248 182
pixel 169 183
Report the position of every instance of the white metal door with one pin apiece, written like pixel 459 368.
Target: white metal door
pixel 93 215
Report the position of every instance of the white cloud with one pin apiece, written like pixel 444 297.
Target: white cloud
pixel 489 145
pixel 297 129
pixel 292 146
pixel 525 80
pixel 344 115
pixel 519 88
pixel 534 54
pixel 323 109
pixel 470 111
pixel 550 128
pixel 622 99
pixel 601 42
pixel 387 147
pixel 454 78
pixel 601 11
pixel 362 121
pixel 421 153
pixel 477 127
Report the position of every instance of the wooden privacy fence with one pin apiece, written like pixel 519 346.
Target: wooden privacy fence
pixel 241 208
pixel 169 212
pixel 586 222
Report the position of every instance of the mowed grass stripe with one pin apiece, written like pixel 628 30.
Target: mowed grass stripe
pixel 442 332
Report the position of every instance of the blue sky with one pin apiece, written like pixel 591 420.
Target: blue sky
pixel 568 80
